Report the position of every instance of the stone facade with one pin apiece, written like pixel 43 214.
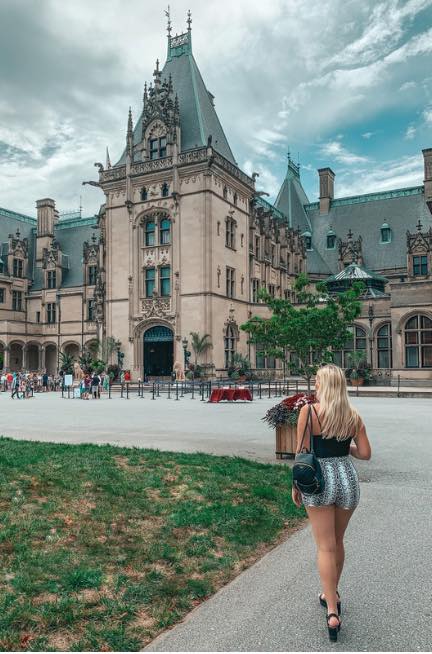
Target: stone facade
pixel 183 243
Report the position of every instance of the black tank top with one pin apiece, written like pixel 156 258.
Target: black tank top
pixel 325 448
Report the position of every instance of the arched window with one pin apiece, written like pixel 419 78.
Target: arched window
pixel 150 233
pixel 230 341
pixel 384 346
pixel 165 231
pixel 385 233
pixel 165 190
pixel 143 193
pixel 418 342
pixel 357 342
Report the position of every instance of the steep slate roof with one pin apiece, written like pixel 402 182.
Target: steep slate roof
pixel 70 233
pixel 364 215
pixel 198 118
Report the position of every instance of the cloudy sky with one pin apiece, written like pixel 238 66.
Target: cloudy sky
pixel 344 83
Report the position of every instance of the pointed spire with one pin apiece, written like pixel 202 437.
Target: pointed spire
pixel 168 15
pixel 157 76
pixel 189 20
pixel 108 160
pixel 129 138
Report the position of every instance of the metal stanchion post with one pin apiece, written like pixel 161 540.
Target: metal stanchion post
pixel 177 397
pixel 68 392
pixel 127 390
pixel 121 394
pixel 202 391
pixel 193 390
pixel 153 391
pixel 269 390
pixel 260 390
pixel 169 390
pixel 182 389
pixel 158 389
pixel 109 390
pixel 398 390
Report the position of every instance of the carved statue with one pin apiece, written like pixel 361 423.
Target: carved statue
pixel 99 166
pixel 179 371
pixel 78 372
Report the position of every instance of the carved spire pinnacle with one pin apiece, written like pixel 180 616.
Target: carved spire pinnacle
pixel 157 76
pixel 145 94
pixel 189 20
pixel 168 15
pixel 108 160
pixel 129 138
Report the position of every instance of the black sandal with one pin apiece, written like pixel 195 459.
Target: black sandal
pixel 333 631
pixel 323 602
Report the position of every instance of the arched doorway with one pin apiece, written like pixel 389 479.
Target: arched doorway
pixel 32 357
pixel 72 350
pixel 51 359
pixel 158 351
pixel 16 356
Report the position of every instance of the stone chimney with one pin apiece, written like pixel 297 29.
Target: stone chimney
pixel 427 157
pixel 46 217
pixel 326 182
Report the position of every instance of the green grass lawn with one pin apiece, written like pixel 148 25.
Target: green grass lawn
pixel 103 547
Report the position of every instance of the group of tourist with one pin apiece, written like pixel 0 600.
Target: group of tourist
pixel 24 384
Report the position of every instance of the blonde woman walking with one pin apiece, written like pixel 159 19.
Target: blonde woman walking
pixel 338 434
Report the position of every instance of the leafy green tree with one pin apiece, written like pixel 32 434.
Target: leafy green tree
pixel 308 330
pixel 199 344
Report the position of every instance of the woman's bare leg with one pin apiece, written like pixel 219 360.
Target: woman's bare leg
pixel 322 520
pixel 342 518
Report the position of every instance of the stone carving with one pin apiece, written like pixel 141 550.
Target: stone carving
pixel 160 104
pixel 350 251
pixel 51 256
pixel 91 251
pixel 156 307
pixel 78 372
pixel 149 166
pixel 119 172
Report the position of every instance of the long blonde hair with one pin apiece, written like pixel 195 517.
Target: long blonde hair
pixel 339 419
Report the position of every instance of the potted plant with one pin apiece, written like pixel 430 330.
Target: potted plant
pixel 240 369
pixel 358 372
pixel 283 418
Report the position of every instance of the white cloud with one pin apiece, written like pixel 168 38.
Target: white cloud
pixel 368 135
pixel 407 86
pixel 400 173
pixel 410 132
pixel 427 115
pixel 336 151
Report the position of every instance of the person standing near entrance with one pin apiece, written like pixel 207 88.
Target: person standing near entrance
pixel 15 386
pixel 336 431
pixel 95 384
pixel 45 382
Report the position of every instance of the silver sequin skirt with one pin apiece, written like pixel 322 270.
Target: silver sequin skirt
pixel 342 486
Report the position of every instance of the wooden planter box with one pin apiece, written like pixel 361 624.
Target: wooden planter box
pixel 286 441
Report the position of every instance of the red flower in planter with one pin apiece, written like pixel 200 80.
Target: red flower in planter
pixel 286 412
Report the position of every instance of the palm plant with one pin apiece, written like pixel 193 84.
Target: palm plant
pixel 66 363
pixel 199 344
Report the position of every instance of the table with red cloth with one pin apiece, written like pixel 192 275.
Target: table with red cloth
pixel 230 395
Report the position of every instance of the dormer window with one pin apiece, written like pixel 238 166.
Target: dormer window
pixel 51 279
pixel 420 265
pixel 331 240
pixel 18 267
pixel 143 194
pixel 307 237
pixel 158 147
pixel 385 233
pixel 165 190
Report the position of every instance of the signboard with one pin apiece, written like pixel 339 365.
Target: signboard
pixel 77 393
pixel 68 380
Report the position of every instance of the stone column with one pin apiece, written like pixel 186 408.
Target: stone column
pixel 24 357
pixel 41 363
pixel 6 360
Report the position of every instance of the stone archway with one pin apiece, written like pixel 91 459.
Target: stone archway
pixel 32 357
pixel 16 356
pixel 158 351
pixel 72 350
pixel 51 359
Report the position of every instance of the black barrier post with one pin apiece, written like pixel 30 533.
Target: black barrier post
pixel 193 390
pixel 62 392
pixel 153 391
pixel 260 390
pixel 109 390
pixel 177 397
pixel 127 390
pixel 398 390
pixel 202 391
pixel 121 394
pixel 169 390
pixel 181 390
pixel 269 390
pixel 68 392
pixel 158 389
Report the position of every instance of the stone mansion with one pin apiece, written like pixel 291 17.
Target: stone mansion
pixel 183 242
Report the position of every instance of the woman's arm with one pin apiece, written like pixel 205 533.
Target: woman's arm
pixel 361 448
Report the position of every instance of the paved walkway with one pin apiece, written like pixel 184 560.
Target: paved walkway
pixel 386 587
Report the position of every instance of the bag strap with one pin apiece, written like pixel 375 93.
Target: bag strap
pixel 308 420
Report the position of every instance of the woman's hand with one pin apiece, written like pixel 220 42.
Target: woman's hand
pixel 296 497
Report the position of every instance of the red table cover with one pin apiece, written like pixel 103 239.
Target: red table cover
pixel 230 394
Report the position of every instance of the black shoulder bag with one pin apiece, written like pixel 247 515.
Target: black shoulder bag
pixel 306 472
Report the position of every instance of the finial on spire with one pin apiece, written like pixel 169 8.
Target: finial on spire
pixel 108 160
pixel 419 225
pixel 130 124
pixel 189 20
pixel 168 15
pixel 145 92
pixel 157 75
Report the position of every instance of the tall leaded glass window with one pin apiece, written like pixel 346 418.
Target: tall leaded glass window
pixel 418 342
pixel 149 281
pixel 229 343
pixel 384 346
pixel 420 265
pixel 18 267
pixel 51 279
pixel 150 233
pixel 92 275
pixel 165 281
pixel 165 232
pixel 158 148
pixel 357 341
